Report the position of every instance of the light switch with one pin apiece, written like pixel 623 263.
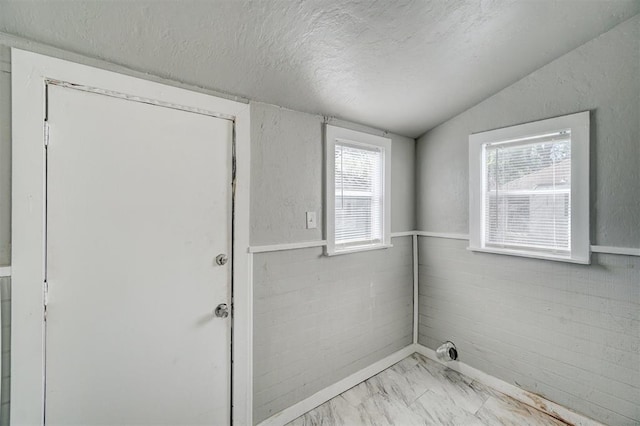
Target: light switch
pixel 311 220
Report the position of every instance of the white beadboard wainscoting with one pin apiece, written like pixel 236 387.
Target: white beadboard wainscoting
pixel 5 342
pixel 375 367
pixel 565 331
pixel 555 410
pixel 319 319
pixel 425 345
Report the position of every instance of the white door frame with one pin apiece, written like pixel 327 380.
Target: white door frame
pixel 29 73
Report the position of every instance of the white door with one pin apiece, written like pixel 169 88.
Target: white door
pixel 138 208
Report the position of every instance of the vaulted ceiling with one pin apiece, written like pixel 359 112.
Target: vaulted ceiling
pixel 403 66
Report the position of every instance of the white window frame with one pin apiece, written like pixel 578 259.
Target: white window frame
pixel 578 123
pixel 334 135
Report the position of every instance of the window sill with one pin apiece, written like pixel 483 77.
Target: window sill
pixel 358 249
pixel 531 255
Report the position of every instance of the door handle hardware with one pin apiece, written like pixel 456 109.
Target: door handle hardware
pixel 222 310
pixel 221 259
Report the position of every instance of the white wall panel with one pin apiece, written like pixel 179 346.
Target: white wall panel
pixel 570 333
pixel 319 319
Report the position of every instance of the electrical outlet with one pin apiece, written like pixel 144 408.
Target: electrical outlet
pixel 311 220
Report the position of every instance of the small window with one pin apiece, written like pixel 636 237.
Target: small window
pixel 358 182
pixel 529 189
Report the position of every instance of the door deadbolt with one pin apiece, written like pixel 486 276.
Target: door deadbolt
pixel 221 259
pixel 222 310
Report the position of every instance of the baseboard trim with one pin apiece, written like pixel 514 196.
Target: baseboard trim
pixel 536 401
pixel 319 398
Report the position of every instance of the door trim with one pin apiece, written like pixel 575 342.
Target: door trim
pixel 30 73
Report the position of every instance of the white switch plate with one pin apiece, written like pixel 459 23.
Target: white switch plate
pixel 311 220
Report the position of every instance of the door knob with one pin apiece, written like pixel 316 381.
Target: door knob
pixel 221 259
pixel 222 310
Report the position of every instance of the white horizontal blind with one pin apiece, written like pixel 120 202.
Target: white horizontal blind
pixel 358 195
pixel 527 197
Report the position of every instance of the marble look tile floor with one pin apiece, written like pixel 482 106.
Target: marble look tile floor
pixel 419 391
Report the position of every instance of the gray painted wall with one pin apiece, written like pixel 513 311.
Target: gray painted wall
pixel 5 297
pixel 568 332
pixel 5 157
pixel 318 319
pixel 600 76
pixel 5 228
pixel 287 175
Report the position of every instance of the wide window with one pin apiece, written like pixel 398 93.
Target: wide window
pixel 529 189
pixel 358 181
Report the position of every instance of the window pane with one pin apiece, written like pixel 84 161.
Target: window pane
pixel 527 194
pixel 358 195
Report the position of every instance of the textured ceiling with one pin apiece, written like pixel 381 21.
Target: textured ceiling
pixel 403 66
